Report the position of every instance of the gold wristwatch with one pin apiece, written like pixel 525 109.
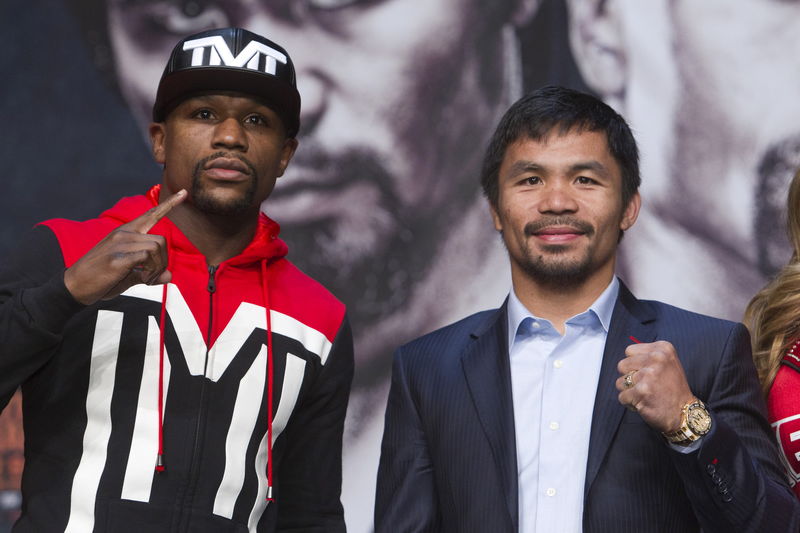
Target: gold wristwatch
pixel 695 422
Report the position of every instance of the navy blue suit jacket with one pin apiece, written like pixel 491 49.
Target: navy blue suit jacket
pixel 448 458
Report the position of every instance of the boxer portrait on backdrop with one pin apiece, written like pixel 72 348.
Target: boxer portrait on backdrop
pixel 576 406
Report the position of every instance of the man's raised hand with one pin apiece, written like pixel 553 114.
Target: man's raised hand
pixel 127 256
pixel 652 381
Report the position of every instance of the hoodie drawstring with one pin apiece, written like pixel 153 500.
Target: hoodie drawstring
pixel 162 323
pixel 270 377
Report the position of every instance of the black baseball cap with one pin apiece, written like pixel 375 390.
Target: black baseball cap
pixel 230 59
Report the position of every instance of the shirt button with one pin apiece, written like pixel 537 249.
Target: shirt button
pixel 550 492
pixel 558 363
pixel 535 325
pixel 554 425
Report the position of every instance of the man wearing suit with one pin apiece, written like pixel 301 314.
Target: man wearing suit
pixel 576 406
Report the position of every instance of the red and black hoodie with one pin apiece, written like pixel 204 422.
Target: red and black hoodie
pixel 153 411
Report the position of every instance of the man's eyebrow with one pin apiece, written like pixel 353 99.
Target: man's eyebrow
pixel 523 166
pixel 596 166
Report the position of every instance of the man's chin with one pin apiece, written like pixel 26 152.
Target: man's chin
pixel 216 206
pixel 557 250
pixel 557 272
pixel 223 201
pixel 371 259
pixel 354 261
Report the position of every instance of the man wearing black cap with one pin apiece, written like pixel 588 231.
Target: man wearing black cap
pixel 178 373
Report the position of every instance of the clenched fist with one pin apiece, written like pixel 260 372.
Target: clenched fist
pixel 653 383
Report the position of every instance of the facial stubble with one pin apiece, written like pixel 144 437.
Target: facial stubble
pixel 205 201
pixel 550 268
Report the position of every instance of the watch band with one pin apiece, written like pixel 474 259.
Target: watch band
pixel 682 436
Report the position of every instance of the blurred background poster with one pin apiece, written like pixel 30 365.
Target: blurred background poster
pixel 382 202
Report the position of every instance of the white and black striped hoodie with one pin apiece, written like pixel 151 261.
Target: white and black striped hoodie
pixel 222 343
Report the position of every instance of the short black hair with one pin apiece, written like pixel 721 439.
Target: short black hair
pixel 537 114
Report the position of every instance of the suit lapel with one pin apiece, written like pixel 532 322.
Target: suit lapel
pixel 631 318
pixel 488 375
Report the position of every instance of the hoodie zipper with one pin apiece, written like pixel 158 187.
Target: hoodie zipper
pixel 194 469
pixel 212 288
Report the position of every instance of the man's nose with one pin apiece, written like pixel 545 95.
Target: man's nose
pixel 230 134
pixel 557 198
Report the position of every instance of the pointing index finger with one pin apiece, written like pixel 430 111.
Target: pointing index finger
pixel 150 218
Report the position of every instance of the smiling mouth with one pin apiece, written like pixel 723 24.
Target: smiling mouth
pixel 558 235
pixel 561 230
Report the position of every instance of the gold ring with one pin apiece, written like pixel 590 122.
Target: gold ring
pixel 628 381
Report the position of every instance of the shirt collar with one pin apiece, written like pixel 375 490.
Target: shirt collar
pixel 602 307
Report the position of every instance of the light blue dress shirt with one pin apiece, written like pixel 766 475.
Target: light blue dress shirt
pixel 553 381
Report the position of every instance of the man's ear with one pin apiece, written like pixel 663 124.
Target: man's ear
pixel 631 212
pixel 287 152
pixel 156 131
pixel 597 41
pixel 498 225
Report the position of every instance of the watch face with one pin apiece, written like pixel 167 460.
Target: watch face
pixel 698 420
